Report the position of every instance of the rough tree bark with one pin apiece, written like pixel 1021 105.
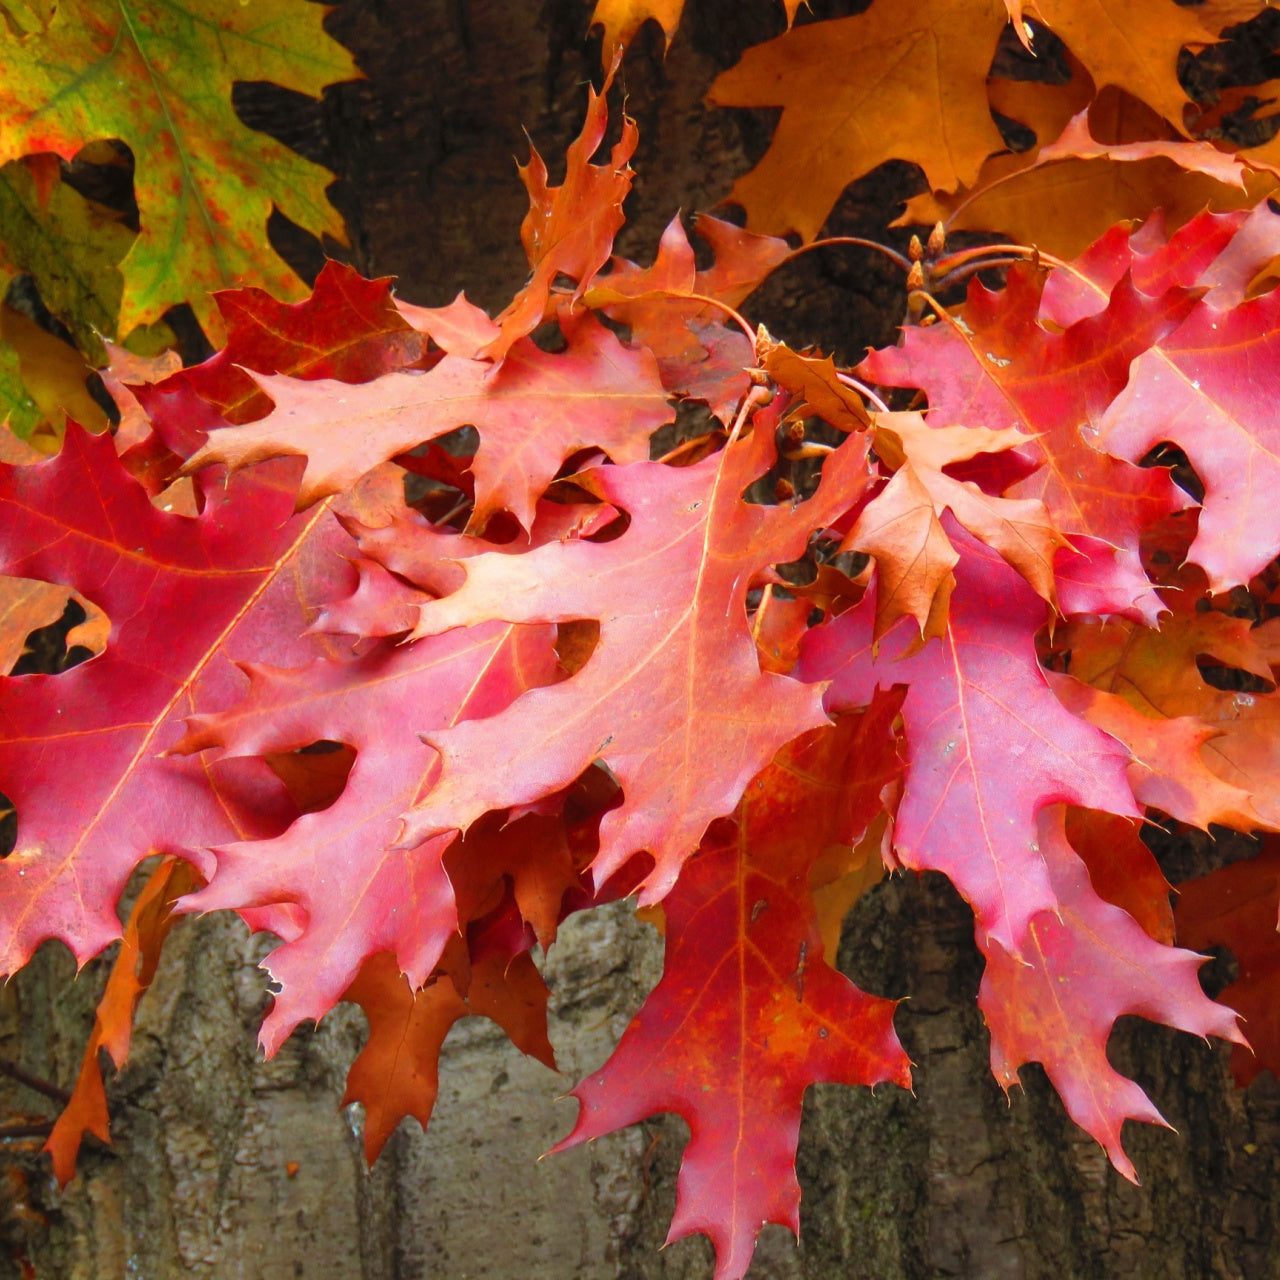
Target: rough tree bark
pixel 224 1165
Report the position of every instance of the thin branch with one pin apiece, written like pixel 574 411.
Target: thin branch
pixel 40 1085
pixel 40 1129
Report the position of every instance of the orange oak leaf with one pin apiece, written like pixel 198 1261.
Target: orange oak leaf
pixel 1122 870
pixel 1235 907
pixel 1043 108
pixel 914 557
pixel 701 354
pixel 132 973
pixel 1132 48
pixel 778 625
pixel 910 83
pixel 749 1013
pixel 1084 965
pixel 314 776
pixel 672 699
pixel 397 1072
pixel 1072 190
pixel 890 78
pixel 621 19
pixel 1169 770
pixel 902 526
pixel 815 383
pixel 532 412
pixel 26 606
pixel 1224 760
pixel 569 229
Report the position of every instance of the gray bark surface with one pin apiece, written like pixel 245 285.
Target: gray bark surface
pixel 227 1166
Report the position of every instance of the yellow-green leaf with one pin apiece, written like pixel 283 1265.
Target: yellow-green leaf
pixel 158 76
pixel 71 247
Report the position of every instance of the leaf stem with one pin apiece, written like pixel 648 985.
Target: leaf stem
pixel 765 596
pixel 957 274
pixel 892 254
pixel 810 449
pixel 756 395
pixel 1019 251
pixel 939 310
pixel 735 316
pixel 685 446
pixel 863 390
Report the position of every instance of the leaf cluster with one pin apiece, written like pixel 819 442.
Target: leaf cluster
pixel 417 630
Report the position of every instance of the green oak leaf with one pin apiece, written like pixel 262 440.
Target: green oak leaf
pixel 158 74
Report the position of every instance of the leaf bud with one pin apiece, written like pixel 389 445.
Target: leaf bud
pixel 937 240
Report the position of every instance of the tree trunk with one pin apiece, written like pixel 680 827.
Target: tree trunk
pixel 223 1165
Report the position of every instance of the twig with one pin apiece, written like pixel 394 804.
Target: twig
pixel 15 1072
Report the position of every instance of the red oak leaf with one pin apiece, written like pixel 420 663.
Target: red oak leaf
pixel 1210 387
pixel 184 596
pixel 988 744
pixel 1003 368
pixel 1083 966
pixel 532 413
pixel 359 892
pixel 1235 907
pixel 748 1013
pixel 348 329
pixel 672 699
pixel 1218 251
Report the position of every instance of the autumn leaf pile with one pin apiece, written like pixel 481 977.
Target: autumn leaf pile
pixel 418 630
